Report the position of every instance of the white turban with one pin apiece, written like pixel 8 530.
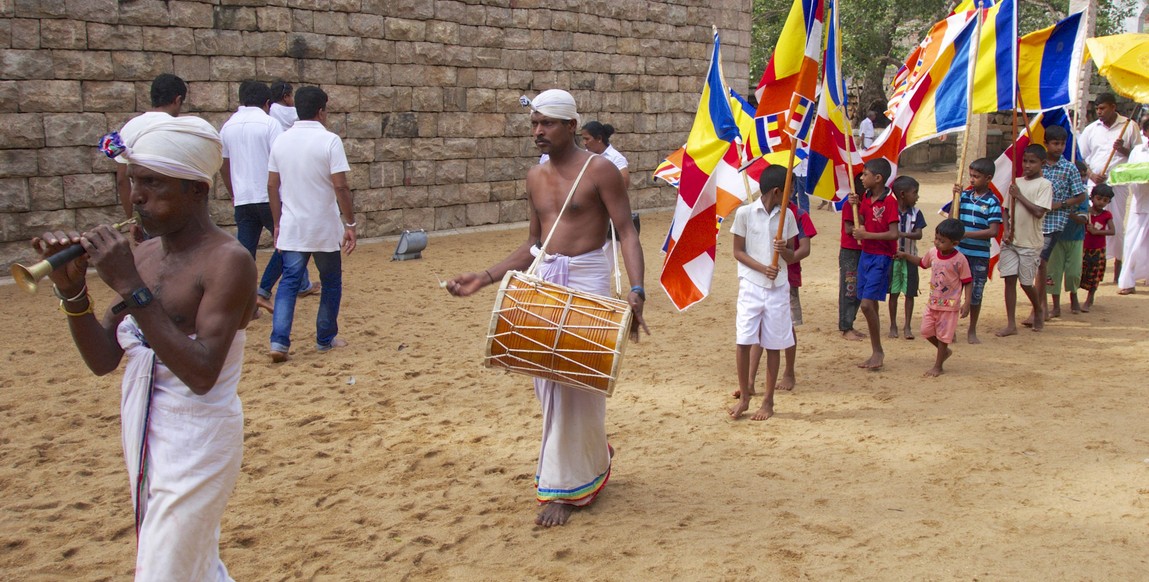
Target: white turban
pixel 556 104
pixel 187 148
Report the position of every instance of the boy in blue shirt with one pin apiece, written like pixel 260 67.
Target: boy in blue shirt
pixel 980 212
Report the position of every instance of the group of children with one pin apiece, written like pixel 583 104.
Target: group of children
pixel 1050 232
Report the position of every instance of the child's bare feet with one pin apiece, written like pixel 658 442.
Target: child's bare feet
pixel 937 370
pixel 765 412
pixel 853 335
pixel 1085 307
pixel 1056 312
pixel 1005 332
pixel 787 382
pixel 1038 325
pixel 971 337
pixel 893 332
pixel 1028 321
pixel 742 406
pixel 738 393
pixel 1129 291
pixel 554 514
pixel 875 362
pixel 908 333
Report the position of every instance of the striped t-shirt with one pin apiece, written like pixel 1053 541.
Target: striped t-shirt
pixel 977 212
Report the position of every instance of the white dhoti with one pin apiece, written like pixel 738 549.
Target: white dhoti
pixel 1115 245
pixel 574 459
pixel 183 453
pixel 1135 264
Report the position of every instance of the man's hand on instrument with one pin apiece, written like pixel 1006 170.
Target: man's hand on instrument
pixel 636 302
pixel 70 276
pixel 111 255
pixel 137 233
pixel 466 284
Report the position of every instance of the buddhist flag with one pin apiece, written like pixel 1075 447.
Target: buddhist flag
pixel 832 152
pixel 710 187
pixel 791 75
pixel 670 170
pixel 923 57
pixel 995 73
pixel 1049 64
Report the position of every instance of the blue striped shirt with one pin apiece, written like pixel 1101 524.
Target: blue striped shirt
pixel 977 212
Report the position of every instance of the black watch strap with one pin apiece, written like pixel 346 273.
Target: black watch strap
pixel 141 297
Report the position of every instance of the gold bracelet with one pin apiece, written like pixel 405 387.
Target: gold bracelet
pixel 86 311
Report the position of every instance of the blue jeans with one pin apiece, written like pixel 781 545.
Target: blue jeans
pixel 330 267
pixel 799 192
pixel 250 220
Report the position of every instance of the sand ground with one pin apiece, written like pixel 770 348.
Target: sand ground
pixel 401 458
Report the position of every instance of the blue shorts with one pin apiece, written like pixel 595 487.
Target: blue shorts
pixel 874 276
pixel 979 268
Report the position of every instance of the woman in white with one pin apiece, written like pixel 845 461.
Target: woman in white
pixel 596 139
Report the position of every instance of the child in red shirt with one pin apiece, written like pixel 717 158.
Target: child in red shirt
pixel 1099 226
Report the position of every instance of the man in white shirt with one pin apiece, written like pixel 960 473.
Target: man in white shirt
pixel 866 129
pixel 1109 135
pixel 168 95
pixel 247 138
pixel 314 217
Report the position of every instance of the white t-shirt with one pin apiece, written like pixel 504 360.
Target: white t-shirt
pixel 136 124
pixel 286 116
pixel 759 227
pixel 247 139
pixel 615 158
pixel 866 129
pixel 1027 231
pixel 1097 141
pixel 305 157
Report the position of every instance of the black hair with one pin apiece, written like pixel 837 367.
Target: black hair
pixel 1056 133
pixel 983 166
pixel 279 90
pixel 308 102
pixel 952 229
pixel 166 87
pixel 1036 150
pixel 904 184
pixel 881 167
pixel 1106 98
pixel 774 176
pixel 599 131
pixel 253 94
pixel 1102 191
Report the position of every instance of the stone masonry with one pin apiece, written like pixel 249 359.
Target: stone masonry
pixel 423 92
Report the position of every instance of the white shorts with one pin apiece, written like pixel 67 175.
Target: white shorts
pixel 1020 261
pixel 764 316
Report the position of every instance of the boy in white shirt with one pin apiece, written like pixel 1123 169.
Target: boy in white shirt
pixel 1032 197
pixel 763 311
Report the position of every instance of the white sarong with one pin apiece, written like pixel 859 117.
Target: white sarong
pixel 1136 248
pixel 574 459
pixel 183 453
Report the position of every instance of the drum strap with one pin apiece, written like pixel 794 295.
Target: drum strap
pixel 543 250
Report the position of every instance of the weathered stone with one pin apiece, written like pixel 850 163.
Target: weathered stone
pixel 21 130
pixel 140 65
pixel 403 29
pixel 46 193
pixel 420 172
pixel 372 200
pixel 20 64
pixel 191 14
pixel 93 10
pixel 355 73
pixel 169 39
pixel 91 216
pixel 513 211
pixel 49 96
pixel 385 99
pixel 84 65
pixel 333 23
pixel 191 68
pixel 114 38
pixel 448 217
pixel 273 18
pixel 305 45
pixel 23 226
pixel 408 196
pixel 427 99
pixel 344 48
pixel 505 190
pixel 35 9
pixel 14 195
pixel 483 213
pixel 277 68
pixel 365 125
pixel 208 97
pixel 108 96
pixel 476 124
pixel 359 177
pixel 218 42
pixel 477 170
pixel 342 99
pixel 301 20
pixel 401 125
pixel 144 12
pixel 87 190
pixel 382 223
pixel 235 18
pixel 63 34
pixel 387 174
pixel 416 218
pixel 442 32
pixel 65 160
pixel 408 8
pixel 232 68
pixel 73 129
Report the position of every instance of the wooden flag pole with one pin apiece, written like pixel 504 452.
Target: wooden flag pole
pixel 1120 136
pixel 955 211
pixel 785 206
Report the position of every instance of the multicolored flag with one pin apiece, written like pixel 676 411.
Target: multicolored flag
pixel 710 186
pixel 995 73
pixel 1049 64
pixel 670 170
pixel 791 75
pixel 923 57
pixel 833 155
pixel 1006 169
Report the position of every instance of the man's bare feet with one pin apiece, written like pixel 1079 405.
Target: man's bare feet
pixel 738 393
pixel 1028 321
pixel 1038 325
pixel 971 337
pixel 787 382
pixel 937 370
pixel 1128 291
pixel 1086 306
pixel 554 514
pixel 875 362
pixel 765 412
pixel 278 357
pixel 1006 331
pixel 893 332
pixel 742 406
pixel 853 335
pixel 908 333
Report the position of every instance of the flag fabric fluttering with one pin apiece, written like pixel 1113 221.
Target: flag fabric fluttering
pixel 793 68
pixel 710 186
pixel 761 136
pixel 833 155
pixel 922 58
pixel 1049 64
pixel 670 170
pixel 995 73
pixel 938 101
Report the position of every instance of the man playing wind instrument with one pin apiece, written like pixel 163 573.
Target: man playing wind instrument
pixel 575 459
pixel 188 293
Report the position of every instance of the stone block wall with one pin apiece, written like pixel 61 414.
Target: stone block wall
pixel 423 92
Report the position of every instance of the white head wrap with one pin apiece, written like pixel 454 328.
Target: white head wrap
pixel 555 103
pixel 187 148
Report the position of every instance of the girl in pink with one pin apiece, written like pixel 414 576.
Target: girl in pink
pixel 950 289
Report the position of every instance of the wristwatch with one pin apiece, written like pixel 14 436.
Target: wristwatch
pixel 141 297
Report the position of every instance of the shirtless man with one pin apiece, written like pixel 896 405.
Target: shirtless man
pixel 574 462
pixel 190 291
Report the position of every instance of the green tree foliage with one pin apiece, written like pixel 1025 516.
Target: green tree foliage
pixel 878 34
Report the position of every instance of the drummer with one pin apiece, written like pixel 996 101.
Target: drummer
pixel 575 459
